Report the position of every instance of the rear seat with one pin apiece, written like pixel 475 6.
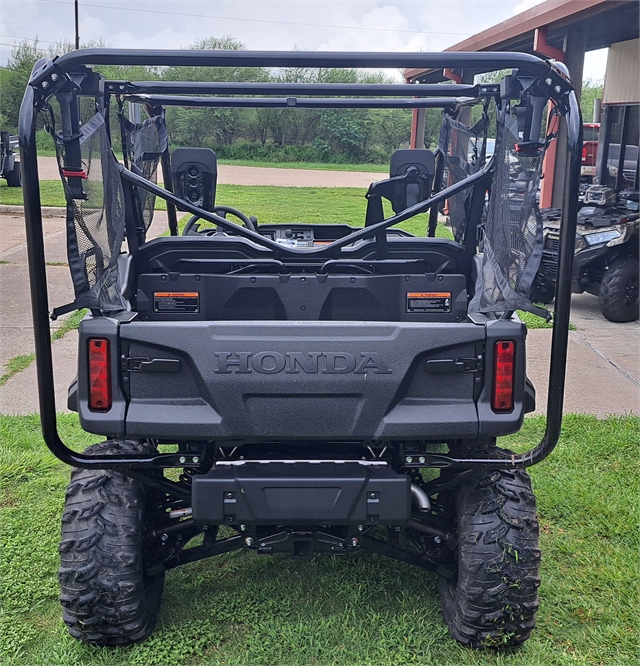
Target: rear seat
pixel 163 254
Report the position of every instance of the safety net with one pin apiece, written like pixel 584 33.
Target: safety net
pixel 455 146
pixel 143 144
pixel 512 241
pixel 95 218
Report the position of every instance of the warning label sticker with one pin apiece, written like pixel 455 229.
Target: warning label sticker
pixel 176 301
pixel 430 301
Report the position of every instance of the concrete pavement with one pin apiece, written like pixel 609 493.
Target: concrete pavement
pixel 241 175
pixel 603 375
pixel 603 363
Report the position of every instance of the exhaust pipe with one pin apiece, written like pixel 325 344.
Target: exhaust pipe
pixel 420 498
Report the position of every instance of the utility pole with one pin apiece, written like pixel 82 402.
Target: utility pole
pixel 77 26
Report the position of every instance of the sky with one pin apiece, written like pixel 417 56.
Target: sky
pixel 312 25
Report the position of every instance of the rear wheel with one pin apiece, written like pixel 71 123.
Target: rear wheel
pixel 619 291
pixel 541 295
pixel 107 597
pixel 494 599
pixel 13 177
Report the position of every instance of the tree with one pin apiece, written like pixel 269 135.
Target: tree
pixel 591 90
pixel 195 127
pixel 346 131
pixel 392 128
pixel 14 78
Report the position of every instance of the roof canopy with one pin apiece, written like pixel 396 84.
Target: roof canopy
pixel 605 22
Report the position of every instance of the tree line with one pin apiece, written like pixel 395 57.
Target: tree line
pixel 315 135
pixel 283 135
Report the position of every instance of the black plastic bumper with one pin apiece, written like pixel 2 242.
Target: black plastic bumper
pixel 301 493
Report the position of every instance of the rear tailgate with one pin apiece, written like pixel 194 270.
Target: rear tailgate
pixel 326 380
pixel 252 381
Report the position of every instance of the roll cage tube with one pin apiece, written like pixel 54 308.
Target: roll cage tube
pixel 327 59
pixel 329 89
pixel 294 102
pixel 46 77
pixel 328 249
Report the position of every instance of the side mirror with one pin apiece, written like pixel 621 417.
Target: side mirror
pixel 424 162
pixel 195 175
pixel 410 181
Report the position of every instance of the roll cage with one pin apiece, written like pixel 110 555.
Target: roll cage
pixel 533 83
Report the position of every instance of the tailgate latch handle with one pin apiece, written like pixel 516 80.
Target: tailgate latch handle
pixel 152 365
pixel 439 366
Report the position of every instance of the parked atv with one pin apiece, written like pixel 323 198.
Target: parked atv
pixel 606 253
pixel 291 382
pixel 9 165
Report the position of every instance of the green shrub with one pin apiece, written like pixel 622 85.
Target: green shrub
pixel 319 151
pixel 44 141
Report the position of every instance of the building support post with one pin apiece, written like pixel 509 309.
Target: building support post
pixel 418 117
pixel 575 48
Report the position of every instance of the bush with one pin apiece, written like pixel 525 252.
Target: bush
pixel 271 152
pixel 44 141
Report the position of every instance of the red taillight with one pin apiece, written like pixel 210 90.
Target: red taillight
pixel 584 153
pixel 504 356
pixel 99 375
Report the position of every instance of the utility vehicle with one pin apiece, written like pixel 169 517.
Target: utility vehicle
pixel 606 252
pixel 9 165
pixel 299 388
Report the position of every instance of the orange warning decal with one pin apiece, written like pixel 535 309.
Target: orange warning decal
pixel 176 301
pixel 428 302
pixel 176 294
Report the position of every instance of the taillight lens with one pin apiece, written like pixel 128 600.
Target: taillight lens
pixel 99 375
pixel 584 153
pixel 504 357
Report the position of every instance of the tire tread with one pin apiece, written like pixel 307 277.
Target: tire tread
pixel 105 597
pixel 612 290
pixel 495 599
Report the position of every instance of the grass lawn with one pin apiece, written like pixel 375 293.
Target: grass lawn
pixel 247 609
pixel 51 194
pixel 270 204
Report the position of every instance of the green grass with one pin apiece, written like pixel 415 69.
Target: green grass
pixel 19 363
pixel 533 321
pixel 15 365
pixel 322 205
pixel 270 204
pixel 319 166
pixel 71 323
pixel 245 609
pixel 51 194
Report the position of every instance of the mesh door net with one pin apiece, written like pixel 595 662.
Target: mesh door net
pixel 454 144
pixel 512 246
pixel 143 144
pixel 95 223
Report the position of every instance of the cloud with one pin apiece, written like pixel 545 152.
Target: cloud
pixel 526 4
pixel 334 25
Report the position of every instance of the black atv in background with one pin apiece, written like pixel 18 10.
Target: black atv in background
pixel 606 252
pixel 9 165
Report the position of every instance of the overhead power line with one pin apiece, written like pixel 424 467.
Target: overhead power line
pixel 250 20
pixel 28 39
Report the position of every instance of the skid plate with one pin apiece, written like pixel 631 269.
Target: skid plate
pixel 301 493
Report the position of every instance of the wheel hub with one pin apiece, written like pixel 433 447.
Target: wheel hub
pixel 631 293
